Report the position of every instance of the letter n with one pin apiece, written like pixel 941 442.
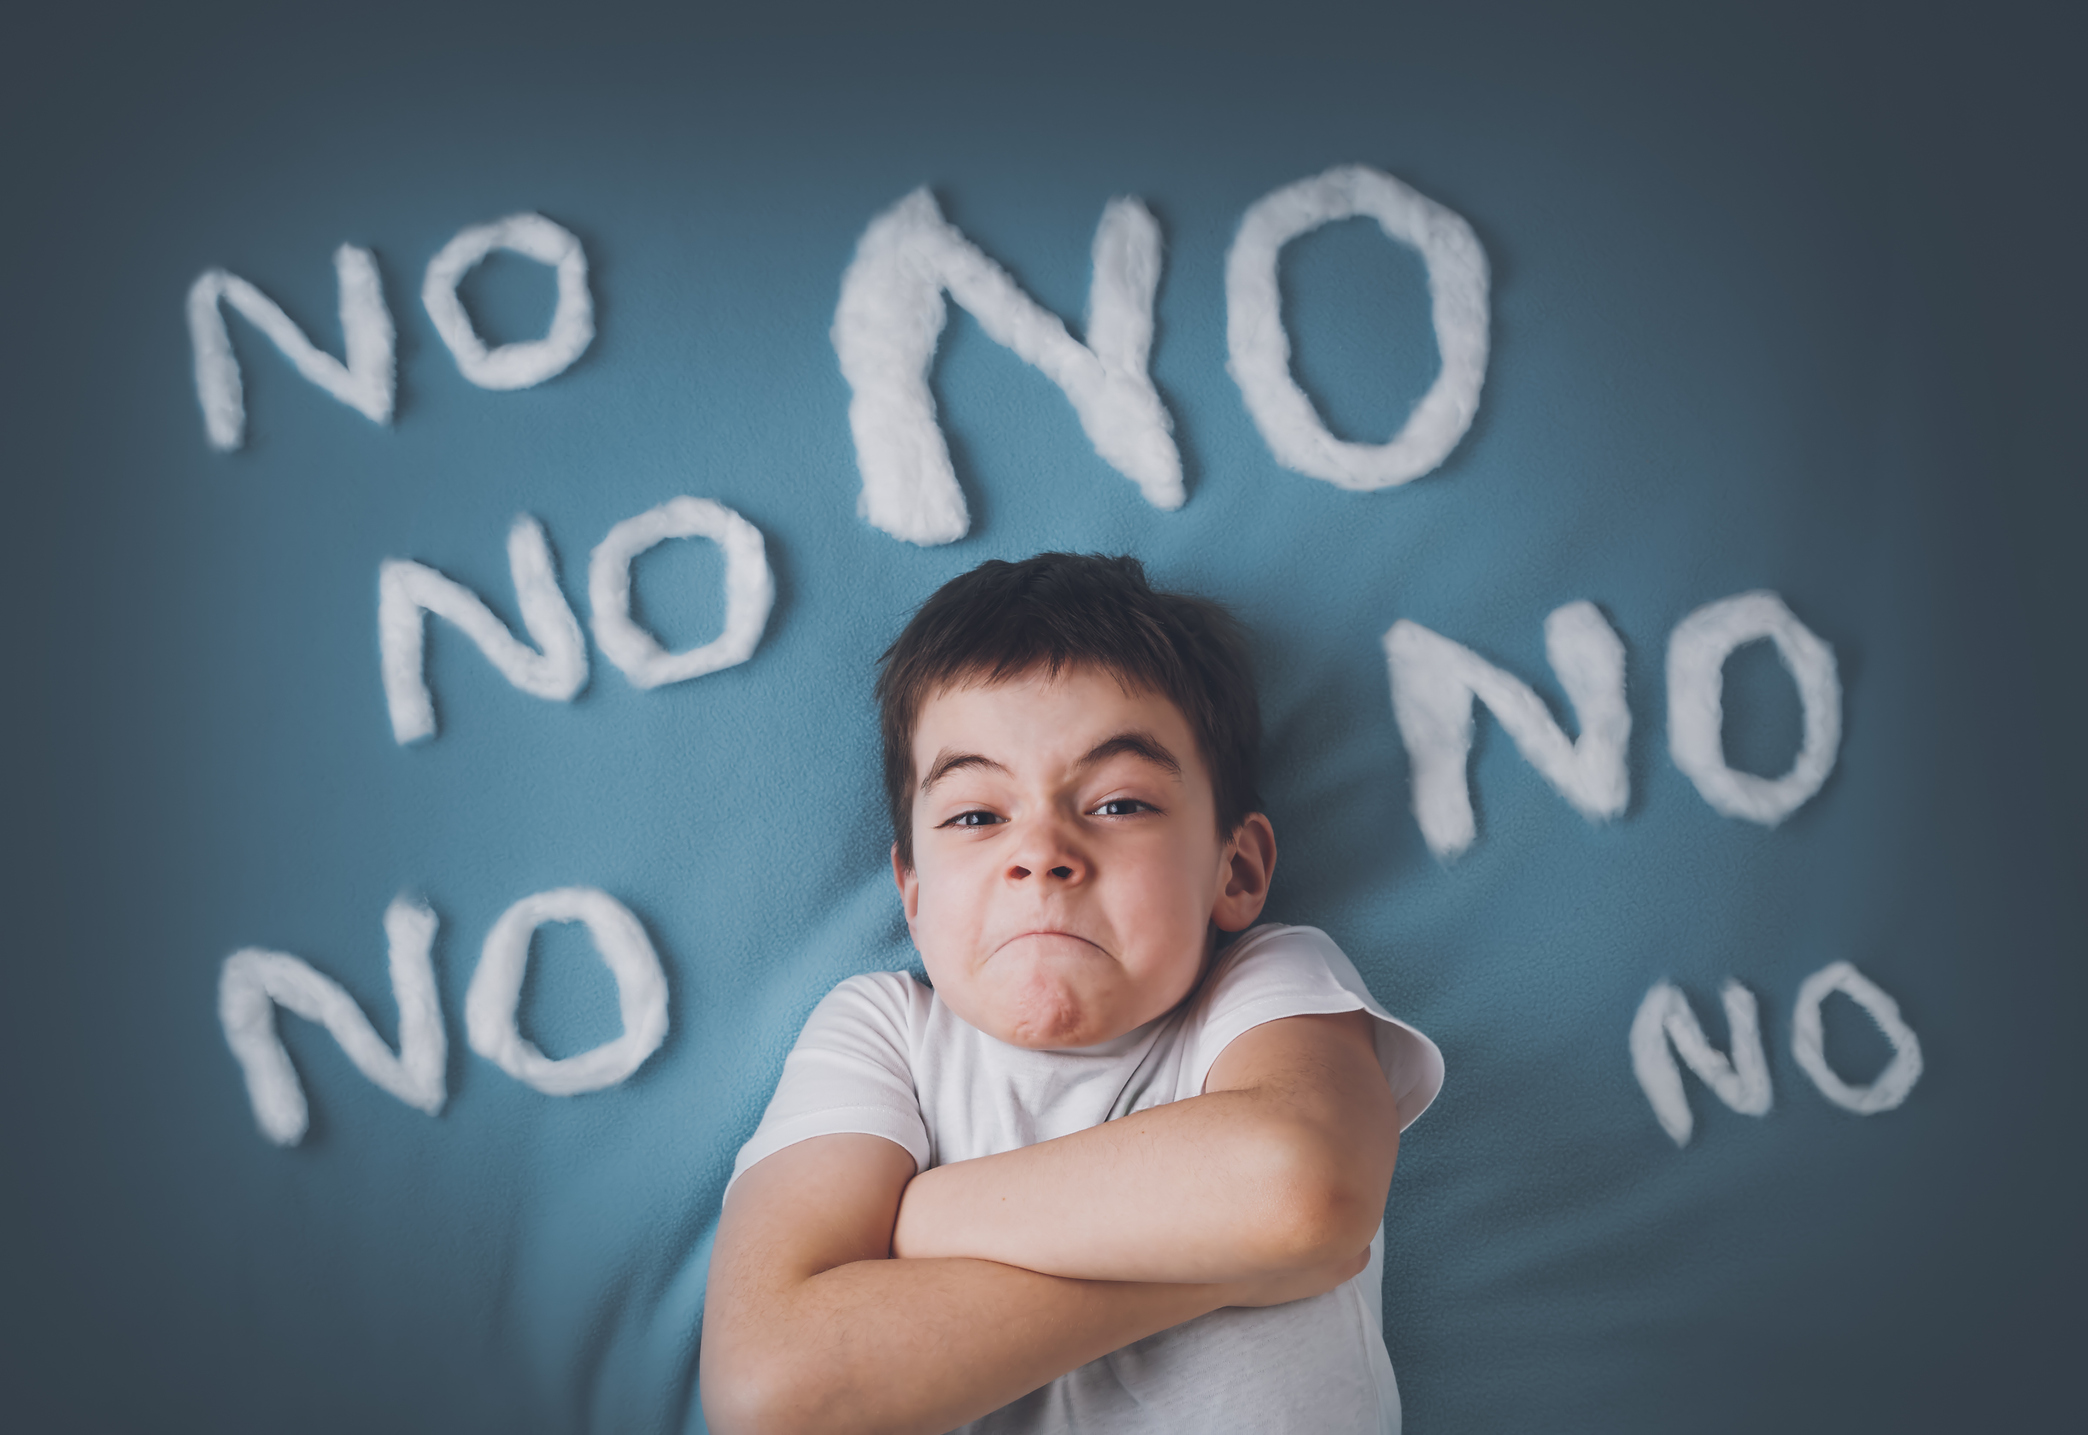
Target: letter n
pixel 254 983
pixel 1741 1081
pixel 364 382
pixel 891 315
pixel 406 590
pixel 1435 683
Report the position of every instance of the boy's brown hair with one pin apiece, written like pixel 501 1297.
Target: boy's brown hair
pixel 1071 610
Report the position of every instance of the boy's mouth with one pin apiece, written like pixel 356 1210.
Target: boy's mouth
pixel 1045 933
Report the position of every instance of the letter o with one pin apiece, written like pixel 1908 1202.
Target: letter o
pixel 1260 350
pixel 496 990
pixel 1697 651
pixel 521 365
pixel 1809 1044
pixel 750 591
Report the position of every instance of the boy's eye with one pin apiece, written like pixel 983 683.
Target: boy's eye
pixel 975 818
pixel 1123 807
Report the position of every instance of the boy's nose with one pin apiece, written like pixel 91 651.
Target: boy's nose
pixel 1047 853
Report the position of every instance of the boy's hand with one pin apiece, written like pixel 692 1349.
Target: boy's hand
pixel 810 1325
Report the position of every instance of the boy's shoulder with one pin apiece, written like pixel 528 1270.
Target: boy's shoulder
pixel 1275 971
pixel 1273 953
pixel 891 989
pixel 892 1003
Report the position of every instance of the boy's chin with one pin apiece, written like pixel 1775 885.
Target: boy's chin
pixel 1042 1009
pixel 1054 991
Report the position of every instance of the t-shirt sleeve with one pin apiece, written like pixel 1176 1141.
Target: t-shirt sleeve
pixel 849 1073
pixel 1275 972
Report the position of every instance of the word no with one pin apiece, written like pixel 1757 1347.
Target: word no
pixel 253 983
pixel 890 318
pixel 1741 1080
pixel 1436 682
pixel 556 669
pixel 366 381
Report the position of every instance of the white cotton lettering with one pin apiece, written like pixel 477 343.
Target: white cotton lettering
pixel 1260 349
pixel 520 365
pixel 1809 1045
pixel 364 382
pixel 890 318
pixel 406 590
pixel 496 991
pixel 254 983
pixel 1435 683
pixel 750 591
pixel 1741 1082
pixel 1697 651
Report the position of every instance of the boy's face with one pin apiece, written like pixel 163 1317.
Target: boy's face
pixel 1067 862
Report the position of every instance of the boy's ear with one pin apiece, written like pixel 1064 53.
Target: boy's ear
pixel 909 883
pixel 1248 862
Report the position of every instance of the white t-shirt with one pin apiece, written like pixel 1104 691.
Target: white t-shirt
pixel 881 1055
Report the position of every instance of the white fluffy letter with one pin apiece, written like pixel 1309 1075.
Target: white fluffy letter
pixel 364 382
pixel 254 983
pixel 405 590
pixel 1808 1041
pixel 1741 1083
pixel 496 989
pixel 1436 681
pixel 1697 651
pixel 512 366
pixel 749 591
pixel 1260 349
pixel 891 315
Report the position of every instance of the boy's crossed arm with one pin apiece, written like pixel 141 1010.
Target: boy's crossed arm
pixel 1020 1267
pixel 1283 1162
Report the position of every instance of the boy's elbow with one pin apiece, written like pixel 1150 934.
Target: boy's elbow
pixel 736 1400
pixel 728 1409
pixel 1319 1222
pixel 754 1393
pixel 1325 1199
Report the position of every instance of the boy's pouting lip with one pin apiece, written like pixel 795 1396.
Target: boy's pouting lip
pixel 1068 868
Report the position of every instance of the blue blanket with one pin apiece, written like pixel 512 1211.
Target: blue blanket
pixel 1777 304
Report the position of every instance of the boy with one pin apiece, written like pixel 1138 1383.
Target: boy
pixel 1103 1176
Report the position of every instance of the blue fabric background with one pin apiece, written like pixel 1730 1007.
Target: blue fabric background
pixel 1785 299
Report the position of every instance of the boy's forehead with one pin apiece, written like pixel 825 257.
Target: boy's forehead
pixel 1037 678
pixel 1029 709
pixel 1068 722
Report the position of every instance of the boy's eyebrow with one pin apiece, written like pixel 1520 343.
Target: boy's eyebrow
pixel 948 761
pixel 1136 744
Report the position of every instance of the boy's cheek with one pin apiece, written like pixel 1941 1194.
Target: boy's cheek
pixel 926 917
